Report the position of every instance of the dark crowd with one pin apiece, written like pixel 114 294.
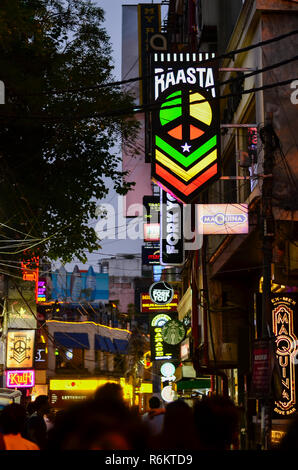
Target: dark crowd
pixel 105 422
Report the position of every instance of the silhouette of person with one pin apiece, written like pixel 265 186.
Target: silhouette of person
pixel 154 418
pixel 178 428
pixel 217 423
pixel 12 423
pixel 36 428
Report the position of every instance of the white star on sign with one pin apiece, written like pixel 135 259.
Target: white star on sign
pixel 185 147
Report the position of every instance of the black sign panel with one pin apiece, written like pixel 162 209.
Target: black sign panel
pixel 171 231
pixel 150 256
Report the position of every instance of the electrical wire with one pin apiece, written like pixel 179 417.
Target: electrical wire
pixel 229 54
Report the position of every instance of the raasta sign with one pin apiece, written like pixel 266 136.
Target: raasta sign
pixel 171 236
pixel 185 123
pixel 161 293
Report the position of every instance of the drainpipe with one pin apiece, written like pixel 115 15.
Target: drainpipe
pixel 195 322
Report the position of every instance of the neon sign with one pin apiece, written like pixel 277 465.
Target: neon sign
pixel 185 124
pixel 20 378
pixel 41 290
pixel 286 350
pixel 30 271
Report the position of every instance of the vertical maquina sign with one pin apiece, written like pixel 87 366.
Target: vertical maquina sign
pixel 171 230
pixel 185 123
pixel 284 313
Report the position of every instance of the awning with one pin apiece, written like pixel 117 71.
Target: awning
pixel 121 346
pixel 193 384
pixel 104 343
pixel 110 344
pixel 100 343
pixel 72 340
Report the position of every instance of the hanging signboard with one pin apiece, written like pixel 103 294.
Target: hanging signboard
pixel 284 311
pixel 171 230
pixel 222 219
pixel 173 332
pixel 20 349
pixel 148 306
pixel 149 22
pixel 150 256
pixel 151 218
pixel 185 123
pixel 262 369
pixel 160 350
pixel 161 293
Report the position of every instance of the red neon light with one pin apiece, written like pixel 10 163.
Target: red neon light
pixel 20 378
pixel 183 188
pixel 30 271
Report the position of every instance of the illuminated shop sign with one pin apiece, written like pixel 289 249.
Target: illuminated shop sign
pixel 252 144
pixel 185 124
pixel 41 290
pixel 219 219
pixel 150 256
pixel 30 270
pixel 173 332
pixel 20 349
pixel 148 306
pixel 171 235
pixel 151 218
pixel 159 349
pixel 284 309
pixel 161 293
pixel 20 378
pixel 40 359
pixel 151 232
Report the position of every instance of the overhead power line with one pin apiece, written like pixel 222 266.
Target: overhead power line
pixel 229 54
pixel 145 108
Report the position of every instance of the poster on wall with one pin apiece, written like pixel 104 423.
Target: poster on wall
pixel 20 349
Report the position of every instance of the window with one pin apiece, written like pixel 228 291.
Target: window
pixel 67 358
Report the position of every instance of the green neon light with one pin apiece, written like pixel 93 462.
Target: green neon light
pixel 167 115
pixel 186 160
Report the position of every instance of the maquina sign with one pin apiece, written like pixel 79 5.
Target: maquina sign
pixel 171 233
pixel 284 310
pixel 185 123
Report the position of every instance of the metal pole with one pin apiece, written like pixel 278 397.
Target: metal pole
pixel 268 237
